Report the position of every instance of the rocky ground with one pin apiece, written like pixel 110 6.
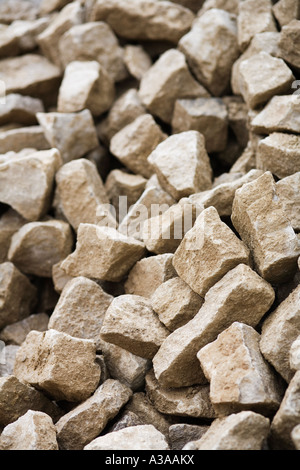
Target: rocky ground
pixel 149 225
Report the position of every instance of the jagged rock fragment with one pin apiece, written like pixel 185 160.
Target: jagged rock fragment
pixel 279 154
pixel 16 332
pixel 288 193
pixel 286 10
pixel 281 114
pixel 289 43
pixel 17 139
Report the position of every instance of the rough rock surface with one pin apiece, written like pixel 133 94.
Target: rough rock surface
pixel 281 114
pixel 16 333
pixel 20 109
pixel 286 10
pixel 288 193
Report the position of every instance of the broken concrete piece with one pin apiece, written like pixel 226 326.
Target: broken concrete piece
pixel 279 154
pixel 288 193
pixel 10 223
pixel 286 10
pixel 16 333
pixel 15 140
pixel 246 162
pixel 294 355
pixel 137 60
pixel 181 434
pixel 281 114
pixel 288 43
pixel 18 9
pixel 20 109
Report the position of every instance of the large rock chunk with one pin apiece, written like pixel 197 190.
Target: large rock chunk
pixel 281 114
pixel 20 109
pixel 181 434
pixel 7 359
pixel 279 154
pixel 288 193
pixel 289 43
pixel 19 138
pixel 16 333
pixel 294 355
pixel 43 361
pixel 137 61
pixel 241 295
pixel 286 11
pixel 295 434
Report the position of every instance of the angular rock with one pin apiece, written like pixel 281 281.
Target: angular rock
pixel 120 326
pixel 241 295
pixel 126 420
pixel 17 10
pixel 294 355
pixel 59 277
pixel 181 434
pixel 10 223
pixel 18 295
pixel 16 333
pixel 86 421
pixel 20 109
pixel 8 42
pixel 286 10
pixel 103 253
pixel 33 431
pixel 43 361
pixel 137 61
pixel 259 218
pixel 207 252
pixel 48 6
pixel 211 48
pixel 288 193
pixel 7 360
pixel 295 435
pixel 281 114
pixel 166 81
pixel 289 43
pixel 134 143
pixel 15 140
pixel 37 246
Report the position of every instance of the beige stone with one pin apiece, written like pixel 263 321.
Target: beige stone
pixel 48 6
pixel 134 143
pixel 211 48
pixel 137 60
pixel 17 9
pixel 180 434
pixel 131 323
pixel 94 41
pixel 241 431
pixel 15 140
pixel 148 274
pixel 288 193
pixel 241 295
pixel 73 134
pixel 33 431
pixel 207 252
pixel 16 333
pixel 294 355
pixel 37 246
pixel 280 329
pixel 147 20
pixel 289 43
pixel 281 114
pixel 286 11
pixel 166 81
pixel 59 277
pixel 296 436
pixel 279 153
pixel 103 253
pixel 18 295
pixel 7 360
pixel 10 223
pixel 26 32
pixel 86 421
pixel 20 109
pixel 259 218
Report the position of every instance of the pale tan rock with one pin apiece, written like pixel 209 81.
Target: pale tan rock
pixel 180 434
pixel 280 329
pixel 205 115
pixel 289 43
pixel 86 421
pixel 241 431
pixel 7 360
pixel 166 81
pixel 103 253
pixel 137 60
pixel 148 20
pixel 15 140
pixel 73 134
pixel 288 193
pixel 48 6
pixel 10 223
pixel 281 114
pixel 33 431
pixel 241 295
pixel 16 333
pixel 207 252
pixel 94 41
pixel 134 143
pixel 131 323
pixel 286 11
pixel 80 310
pixel 260 220
pixel 279 154
pixel 254 18
pixel 179 176
pixel 295 434
pixel 143 437
pixel 37 246
pixel 86 85
pixel 148 274
pixel 18 295
pixel 211 48
pixel 287 417
pixel 26 32
pixel 294 355
pixel 20 109
pixel 17 9
pixel 41 353
pixel 125 366
pixel 191 402
pixel 232 6
pixel 59 277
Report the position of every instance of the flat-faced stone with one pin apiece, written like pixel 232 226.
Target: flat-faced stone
pixel 48 6
pixel 126 420
pixel 18 10
pixel 137 60
pixel 16 333
pixel 286 10
pixel 289 43
pixel 20 109
pixel 281 114
pixel 7 360
pixel 15 140
pixel 288 193
pixel 279 154
pixel 295 435
pixel 26 32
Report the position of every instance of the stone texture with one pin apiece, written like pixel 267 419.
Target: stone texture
pixel 86 421
pixel 211 48
pixel 134 143
pixel 257 212
pixel 281 114
pixel 241 295
pixel 181 434
pixel 137 60
pixel 103 253
pixel 286 10
pixel 241 431
pixel 15 140
pixel 120 326
pixel 43 361
pixel 59 277
pixel 280 329
pixel 33 431
pixel 80 310
pixel 166 81
pixel 296 436
pixel 207 252
pixel 37 246
pixel 26 32
pixel 205 115
pixel 10 223
pixel 48 6
pixel 294 355
pixel 7 360
pixel 20 109
pixel 16 333
pixel 289 43
pixel 18 295
pixel 288 193
pixel 17 10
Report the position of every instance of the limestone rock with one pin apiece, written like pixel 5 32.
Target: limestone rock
pixel 86 421
pixel 16 333
pixel 48 6
pixel 86 85
pixel 10 223
pixel 131 324
pixel 257 211
pixel 103 253
pixel 134 143
pixel 73 134
pixel 43 361
pixel 294 355
pixel 15 140
pixel 241 431
pixel 37 246
pixel 241 295
pixel 17 10
pixel 205 115
pixel 288 193
pixel 207 252
pixel 137 61
pixel 147 20
pixel 211 48
pixel 33 431
pixel 246 162
pixel 286 11
pixel 7 360
pixel 18 295
pixel 181 434
pixel 289 43
pixel 280 329
pixel 20 109
pixel 166 81
pixel 296 436
pixel 80 310
pixel 281 114
pixel 232 6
